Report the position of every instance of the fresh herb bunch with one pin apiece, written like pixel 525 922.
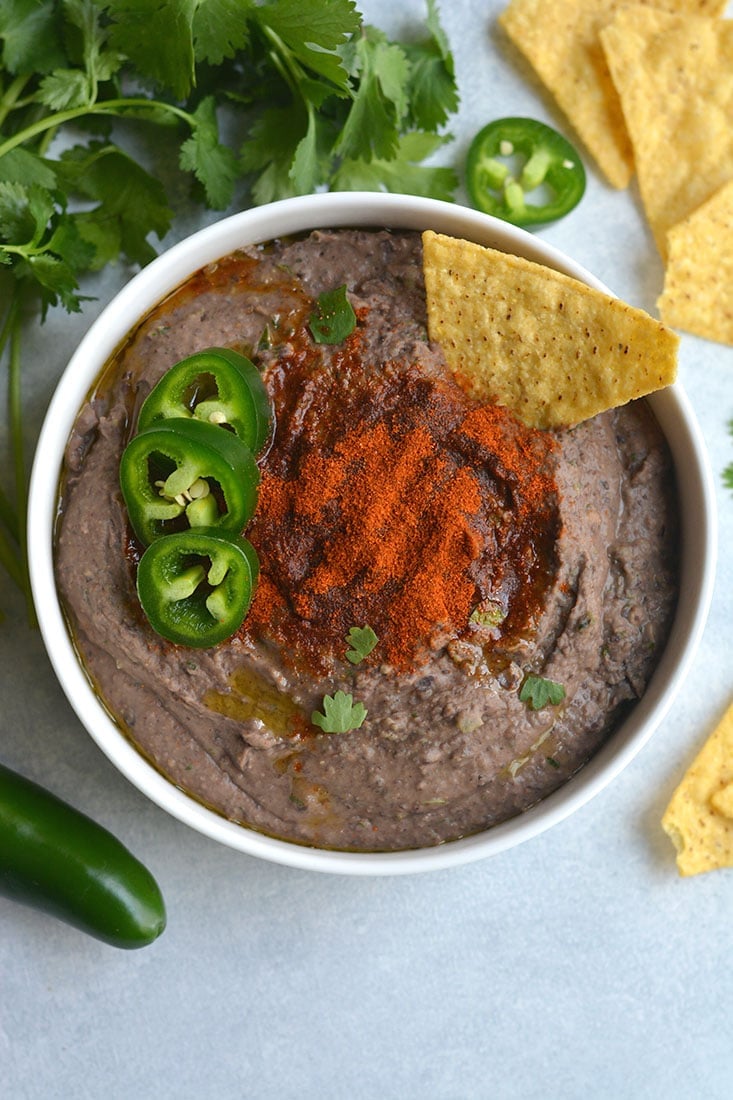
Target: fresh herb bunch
pixel 314 97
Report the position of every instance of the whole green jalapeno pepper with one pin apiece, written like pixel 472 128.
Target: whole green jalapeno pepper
pixel 196 586
pixel 513 157
pixel 218 386
pixel 57 859
pixel 185 473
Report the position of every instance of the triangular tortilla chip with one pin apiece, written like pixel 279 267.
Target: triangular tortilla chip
pixel 699 817
pixel 698 282
pixel 552 349
pixel 674 76
pixel 560 39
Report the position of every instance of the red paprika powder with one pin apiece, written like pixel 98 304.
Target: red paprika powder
pixel 408 511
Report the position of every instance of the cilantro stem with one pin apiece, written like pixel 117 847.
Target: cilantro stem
pixel 15 420
pixel 9 556
pixel 282 60
pixel 11 562
pixel 118 107
pixel 8 515
pixel 10 97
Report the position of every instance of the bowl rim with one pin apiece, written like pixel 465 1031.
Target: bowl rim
pixel 671 407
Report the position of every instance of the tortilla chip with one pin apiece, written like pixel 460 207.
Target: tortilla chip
pixel 560 39
pixel 674 76
pixel 699 818
pixel 698 283
pixel 552 349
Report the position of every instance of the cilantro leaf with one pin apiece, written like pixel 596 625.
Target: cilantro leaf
pixel 334 318
pixel 537 692
pixel 22 166
pixel 340 713
pixel 100 61
pixel 30 36
pixel 313 31
pixel 432 85
pixel 402 172
pixel 362 640
pixel 65 88
pixel 305 170
pixel 213 164
pixel 56 278
pixel 17 222
pixel 269 151
pixel 372 125
pixel 158 38
pixel 131 204
pixel 67 242
pixel 220 29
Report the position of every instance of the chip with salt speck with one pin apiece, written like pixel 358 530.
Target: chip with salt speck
pixel 699 817
pixel 560 40
pixel 552 349
pixel 698 281
pixel 674 77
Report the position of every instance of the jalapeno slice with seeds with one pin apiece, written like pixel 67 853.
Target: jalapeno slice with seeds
pixel 217 386
pixel 180 474
pixel 196 586
pixel 513 159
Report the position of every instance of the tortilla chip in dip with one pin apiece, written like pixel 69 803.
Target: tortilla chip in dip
pixel 698 283
pixel 552 349
pixel 699 817
pixel 560 39
pixel 674 76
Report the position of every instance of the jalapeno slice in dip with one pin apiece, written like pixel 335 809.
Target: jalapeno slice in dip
pixel 180 474
pixel 513 157
pixel 196 586
pixel 218 386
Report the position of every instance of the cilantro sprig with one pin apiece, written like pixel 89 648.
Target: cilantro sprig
pixel 322 101
pixel 362 640
pixel 333 319
pixel 537 692
pixel 340 713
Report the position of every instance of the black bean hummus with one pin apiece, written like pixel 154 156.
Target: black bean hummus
pixel 480 554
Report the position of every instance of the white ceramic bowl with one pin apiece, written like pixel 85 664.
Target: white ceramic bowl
pixel 132 303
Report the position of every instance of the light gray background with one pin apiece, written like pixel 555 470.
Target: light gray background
pixel 577 965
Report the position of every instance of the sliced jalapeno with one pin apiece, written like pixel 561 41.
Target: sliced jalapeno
pixel 179 474
pixel 218 386
pixel 513 158
pixel 196 586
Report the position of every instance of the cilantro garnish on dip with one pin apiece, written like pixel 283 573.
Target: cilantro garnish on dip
pixel 333 319
pixel 340 713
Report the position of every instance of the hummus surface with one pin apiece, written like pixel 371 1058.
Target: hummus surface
pixel 566 568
